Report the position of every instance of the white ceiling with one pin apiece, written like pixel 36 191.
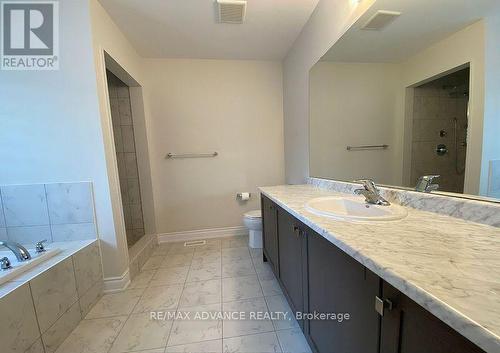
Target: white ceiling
pixel 188 28
pixel 422 23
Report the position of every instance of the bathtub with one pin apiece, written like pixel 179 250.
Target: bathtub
pixel 19 267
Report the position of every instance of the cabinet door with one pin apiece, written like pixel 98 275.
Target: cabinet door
pixel 339 284
pixel 270 233
pixel 409 328
pixel 291 243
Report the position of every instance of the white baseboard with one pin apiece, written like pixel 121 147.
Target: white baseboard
pixel 117 284
pixel 202 234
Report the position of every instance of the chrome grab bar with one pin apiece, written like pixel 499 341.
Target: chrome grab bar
pixel 367 147
pixel 191 155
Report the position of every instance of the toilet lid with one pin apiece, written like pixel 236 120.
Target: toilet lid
pixel 253 214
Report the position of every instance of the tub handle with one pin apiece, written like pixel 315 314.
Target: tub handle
pixel 39 247
pixel 5 263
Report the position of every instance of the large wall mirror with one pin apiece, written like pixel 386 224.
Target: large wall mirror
pixel 412 89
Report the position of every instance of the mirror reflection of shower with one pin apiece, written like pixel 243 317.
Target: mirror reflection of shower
pixel 459 92
pixel 439 134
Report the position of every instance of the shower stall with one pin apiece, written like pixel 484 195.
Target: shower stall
pixel 125 146
pixel 439 133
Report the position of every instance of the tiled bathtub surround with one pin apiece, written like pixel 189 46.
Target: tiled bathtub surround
pixel 42 306
pixel 56 212
pixel 470 210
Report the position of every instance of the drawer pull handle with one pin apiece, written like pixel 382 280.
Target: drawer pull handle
pixel 382 304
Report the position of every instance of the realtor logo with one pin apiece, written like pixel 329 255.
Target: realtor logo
pixel 30 35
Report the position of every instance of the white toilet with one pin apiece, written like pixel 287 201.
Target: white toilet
pixel 253 221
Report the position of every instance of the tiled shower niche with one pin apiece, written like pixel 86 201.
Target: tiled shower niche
pixel 123 130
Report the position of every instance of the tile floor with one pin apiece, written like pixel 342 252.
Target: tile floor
pixel 223 276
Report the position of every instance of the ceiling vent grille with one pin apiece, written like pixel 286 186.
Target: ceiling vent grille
pixel 380 20
pixel 231 11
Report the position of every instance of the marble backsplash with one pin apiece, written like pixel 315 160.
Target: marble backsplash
pixel 483 212
pixel 55 212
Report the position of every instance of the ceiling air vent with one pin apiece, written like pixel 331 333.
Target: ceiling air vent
pixel 231 11
pixel 380 20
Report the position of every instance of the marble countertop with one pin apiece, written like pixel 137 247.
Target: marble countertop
pixel 449 266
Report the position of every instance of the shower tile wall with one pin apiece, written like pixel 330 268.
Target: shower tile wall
pixel 436 104
pixel 123 130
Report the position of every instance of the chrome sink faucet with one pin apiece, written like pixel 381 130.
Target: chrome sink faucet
pixel 371 193
pixel 20 251
pixel 424 183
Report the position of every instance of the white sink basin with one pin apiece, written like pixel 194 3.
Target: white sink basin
pixel 354 208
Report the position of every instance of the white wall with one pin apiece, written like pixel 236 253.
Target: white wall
pixel 491 146
pixel 329 21
pixel 354 104
pixel 232 107
pixel 50 129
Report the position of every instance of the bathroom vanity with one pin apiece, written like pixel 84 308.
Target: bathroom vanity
pixel 425 283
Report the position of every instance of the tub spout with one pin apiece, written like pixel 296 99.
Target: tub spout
pixel 20 251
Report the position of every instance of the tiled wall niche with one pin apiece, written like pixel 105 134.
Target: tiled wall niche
pixel 124 136
pixel 39 315
pixel 56 212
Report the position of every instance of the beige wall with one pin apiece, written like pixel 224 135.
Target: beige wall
pixel 334 86
pixel 329 21
pixel 232 107
pixel 354 104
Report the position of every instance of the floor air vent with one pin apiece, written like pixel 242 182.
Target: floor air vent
pixel 195 243
pixel 231 11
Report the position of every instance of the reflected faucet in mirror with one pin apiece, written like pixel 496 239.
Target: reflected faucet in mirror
pixel 371 193
pixel 424 183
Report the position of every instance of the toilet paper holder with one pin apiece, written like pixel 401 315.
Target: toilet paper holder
pixel 240 195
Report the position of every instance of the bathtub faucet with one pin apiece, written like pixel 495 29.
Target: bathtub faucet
pixel 20 251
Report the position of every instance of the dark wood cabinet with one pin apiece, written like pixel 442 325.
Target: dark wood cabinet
pixel 318 277
pixel 339 284
pixel 409 328
pixel 270 233
pixel 292 242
